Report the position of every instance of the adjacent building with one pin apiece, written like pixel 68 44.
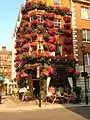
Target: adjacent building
pixel 6 62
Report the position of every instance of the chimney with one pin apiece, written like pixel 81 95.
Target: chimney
pixel 3 48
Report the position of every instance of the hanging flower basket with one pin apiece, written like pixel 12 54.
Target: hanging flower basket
pixel 67 25
pixel 68 49
pixel 51 16
pixel 67 33
pixel 67 18
pixel 68 41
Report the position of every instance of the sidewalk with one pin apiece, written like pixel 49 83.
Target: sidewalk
pixel 10 105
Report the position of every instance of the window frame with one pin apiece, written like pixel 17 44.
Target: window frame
pixel 86 35
pixel 85 15
pixel 57 23
pixel 56 2
pixel 87 59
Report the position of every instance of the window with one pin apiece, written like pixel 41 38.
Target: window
pixel 1 62
pixel 40 19
pixel 85 13
pixel 87 59
pixel 5 69
pixel 57 23
pixel 86 35
pixel 56 2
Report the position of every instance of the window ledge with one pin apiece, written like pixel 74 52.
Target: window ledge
pixel 87 42
pixel 85 19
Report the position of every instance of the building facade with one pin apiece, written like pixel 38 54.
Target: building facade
pixel 6 62
pixel 80 27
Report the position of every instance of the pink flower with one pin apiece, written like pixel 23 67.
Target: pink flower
pixel 67 25
pixel 46 53
pixel 24 75
pixel 68 32
pixel 51 32
pixel 26 45
pixel 33 44
pixel 71 70
pixel 39 55
pixel 68 41
pixel 50 24
pixel 52 40
pixel 17 58
pixel 35 22
pixel 67 18
pixel 52 48
pixel 51 70
pixel 76 73
pixel 27 66
pixel 51 15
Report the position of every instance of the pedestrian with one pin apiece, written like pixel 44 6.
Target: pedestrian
pixel 0 94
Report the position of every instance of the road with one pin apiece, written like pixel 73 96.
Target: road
pixel 78 113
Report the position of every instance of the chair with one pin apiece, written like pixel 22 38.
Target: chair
pixel 58 96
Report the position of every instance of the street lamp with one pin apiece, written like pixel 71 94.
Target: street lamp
pixel 84 73
pixel 40 50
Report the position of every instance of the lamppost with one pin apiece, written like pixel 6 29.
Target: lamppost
pixel 40 50
pixel 84 73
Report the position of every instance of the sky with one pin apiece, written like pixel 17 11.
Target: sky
pixel 9 10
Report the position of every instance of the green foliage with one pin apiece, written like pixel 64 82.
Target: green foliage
pixel 77 90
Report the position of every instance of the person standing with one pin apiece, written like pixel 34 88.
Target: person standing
pixel 0 94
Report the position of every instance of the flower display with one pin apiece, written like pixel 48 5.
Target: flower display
pixel 38 24
pixel 74 72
